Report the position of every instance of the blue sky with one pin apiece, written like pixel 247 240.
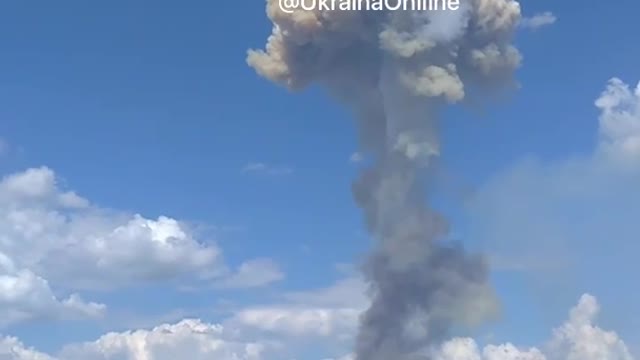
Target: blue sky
pixel 150 108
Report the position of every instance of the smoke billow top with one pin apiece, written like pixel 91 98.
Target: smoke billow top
pixel 396 70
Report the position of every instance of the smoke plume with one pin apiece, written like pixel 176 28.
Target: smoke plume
pixel 396 70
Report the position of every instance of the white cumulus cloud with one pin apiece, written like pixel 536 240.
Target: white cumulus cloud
pixel 24 296
pixel 12 349
pixel 82 246
pixel 188 339
pixel 620 122
pixel 58 233
pixel 579 338
pixel 54 241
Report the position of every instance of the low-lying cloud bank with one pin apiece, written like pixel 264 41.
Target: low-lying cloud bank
pixel 579 338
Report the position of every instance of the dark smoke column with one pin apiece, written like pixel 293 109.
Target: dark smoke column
pixel 396 70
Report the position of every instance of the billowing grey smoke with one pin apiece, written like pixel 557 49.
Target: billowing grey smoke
pixel 396 69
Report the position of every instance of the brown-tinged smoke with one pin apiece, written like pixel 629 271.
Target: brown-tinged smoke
pixel 396 70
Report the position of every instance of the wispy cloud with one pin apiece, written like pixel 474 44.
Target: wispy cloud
pixel 356 157
pixel 267 169
pixel 538 21
pixel 253 274
pixel 573 219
